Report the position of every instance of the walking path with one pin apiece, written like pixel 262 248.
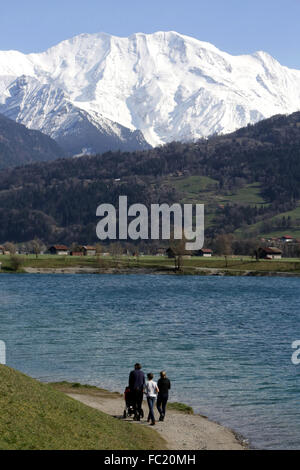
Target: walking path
pixel 181 431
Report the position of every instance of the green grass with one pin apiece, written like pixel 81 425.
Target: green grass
pixel 176 406
pixel 71 387
pixel 195 189
pixel 248 195
pixel 59 262
pixel 107 262
pixel 191 265
pixel 36 416
pixel 194 184
pixel 205 189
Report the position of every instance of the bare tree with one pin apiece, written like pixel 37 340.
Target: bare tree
pixel 8 246
pixel 116 250
pixel 223 244
pixel 16 262
pixel 99 259
pixel 178 248
pixel 36 247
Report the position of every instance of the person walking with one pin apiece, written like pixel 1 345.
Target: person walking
pixel 164 386
pixel 136 386
pixel 151 390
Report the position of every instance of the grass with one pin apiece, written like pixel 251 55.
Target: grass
pixel 194 184
pixel 248 195
pixel 232 265
pixel 52 261
pixel 70 387
pixel 36 416
pixel 176 406
pixel 204 189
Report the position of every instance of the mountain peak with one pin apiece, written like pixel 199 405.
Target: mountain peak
pixel 165 84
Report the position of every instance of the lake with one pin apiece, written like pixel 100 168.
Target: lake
pixel 225 342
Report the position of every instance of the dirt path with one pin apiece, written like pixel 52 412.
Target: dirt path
pixel 181 431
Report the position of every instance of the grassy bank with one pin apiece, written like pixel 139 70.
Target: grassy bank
pixel 194 265
pixel 38 416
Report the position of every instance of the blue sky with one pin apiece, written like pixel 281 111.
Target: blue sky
pixel 236 26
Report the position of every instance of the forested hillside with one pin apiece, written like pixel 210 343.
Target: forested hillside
pixel 246 179
pixel 20 146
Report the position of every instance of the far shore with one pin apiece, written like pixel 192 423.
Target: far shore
pixel 148 264
pixel 195 272
pixel 182 429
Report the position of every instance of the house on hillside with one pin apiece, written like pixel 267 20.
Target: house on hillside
pixel 2 250
pixel 76 253
pixel 60 250
pixel 270 252
pixel 88 250
pixel 205 252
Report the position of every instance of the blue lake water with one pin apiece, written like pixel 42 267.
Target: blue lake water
pixel 224 341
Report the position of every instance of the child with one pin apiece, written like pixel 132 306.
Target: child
pixel 151 391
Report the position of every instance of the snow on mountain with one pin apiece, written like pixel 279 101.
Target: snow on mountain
pixel 166 85
pixel 47 108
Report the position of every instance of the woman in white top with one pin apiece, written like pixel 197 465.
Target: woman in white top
pixel 151 391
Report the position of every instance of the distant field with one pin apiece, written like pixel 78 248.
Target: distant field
pixel 194 189
pixel 249 195
pixel 204 190
pixel 194 184
pixel 207 189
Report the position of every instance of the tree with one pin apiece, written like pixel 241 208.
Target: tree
pixel 116 250
pixel 8 246
pixel 36 246
pixel 178 248
pixel 223 244
pixel 16 262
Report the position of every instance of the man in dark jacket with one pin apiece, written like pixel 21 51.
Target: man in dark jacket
pixel 136 385
pixel 164 386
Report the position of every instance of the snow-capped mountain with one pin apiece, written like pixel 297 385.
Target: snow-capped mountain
pixel 48 108
pixel 163 86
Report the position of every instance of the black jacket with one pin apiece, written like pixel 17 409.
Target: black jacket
pixel 136 380
pixel 164 386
